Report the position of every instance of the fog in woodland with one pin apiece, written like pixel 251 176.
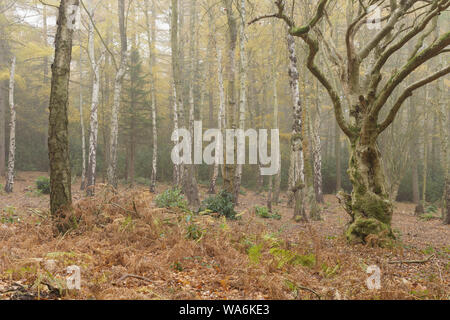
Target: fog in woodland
pixel 97 99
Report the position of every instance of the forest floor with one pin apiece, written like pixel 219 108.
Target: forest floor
pixel 129 249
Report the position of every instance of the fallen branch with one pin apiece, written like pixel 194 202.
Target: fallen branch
pixel 310 290
pixel 133 213
pixel 124 277
pixel 412 261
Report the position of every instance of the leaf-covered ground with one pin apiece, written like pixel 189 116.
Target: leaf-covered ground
pixel 129 249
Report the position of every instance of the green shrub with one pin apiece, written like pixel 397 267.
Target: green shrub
pixel 43 185
pixel 283 257
pixel 221 204
pixel 264 212
pixel 194 232
pixel 8 215
pixel 428 217
pixel 431 209
pixel 171 198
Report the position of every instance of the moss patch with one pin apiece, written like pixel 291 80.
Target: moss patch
pixel 361 228
pixel 373 206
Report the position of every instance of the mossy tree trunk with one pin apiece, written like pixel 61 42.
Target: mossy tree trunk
pixel 370 207
pixel 58 142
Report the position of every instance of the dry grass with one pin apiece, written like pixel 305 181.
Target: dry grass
pixel 123 234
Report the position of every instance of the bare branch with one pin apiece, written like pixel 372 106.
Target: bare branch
pixel 406 94
pixel 427 54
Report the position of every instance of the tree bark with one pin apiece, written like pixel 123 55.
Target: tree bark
pixel 120 74
pixel 189 179
pixel 3 94
pixel 242 89
pixel 229 168
pixel 151 39
pixel 297 171
pixel 58 142
pixel 93 131
pixel 275 181
pixel 371 210
pixel 83 135
pixel 12 131
pixel 414 152
pixel 220 118
pixel 317 149
pixel 337 156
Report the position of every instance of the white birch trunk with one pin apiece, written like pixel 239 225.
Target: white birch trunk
pixel 297 171
pixel 120 73
pixel 151 38
pixel 242 89
pixel 12 133
pixel 83 136
pixel 220 119
pixel 317 149
pixel 93 132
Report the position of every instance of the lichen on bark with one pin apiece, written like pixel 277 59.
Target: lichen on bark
pixel 369 205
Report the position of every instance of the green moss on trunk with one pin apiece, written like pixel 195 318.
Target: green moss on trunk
pixel 369 206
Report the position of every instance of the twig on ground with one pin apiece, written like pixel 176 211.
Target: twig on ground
pixel 134 213
pixel 126 276
pixel 310 290
pixel 412 261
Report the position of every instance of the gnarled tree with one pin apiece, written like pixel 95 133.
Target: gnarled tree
pixel 368 84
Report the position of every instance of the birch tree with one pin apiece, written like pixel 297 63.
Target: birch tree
pixel 93 131
pixel 58 143
pixel 150 21
pixel 184 175
pixel 242 89
pixel 317 146
pixel 297 174
pixel 120 74
pixel 83 134
pixel 221 90
pixel 190 187
pixel 12 130
pixel 3 95
pixel 229 171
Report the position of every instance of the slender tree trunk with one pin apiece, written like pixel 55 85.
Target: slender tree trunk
pixel 176 168
pixel 337 155
pixel 2 126
pixel 44 36
pixel 112 166
pixel 229 167
pixel 58 142
pixel 3 94
pixel 425 160
pixel 242 89
pixel 83 136
pixel 93 131
pixel 151 39
pixel 414 152
pixel 12 131
pixel 220 119
pixel 189 180
pixel 276 179
pixel 297 171
pixel 317 150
